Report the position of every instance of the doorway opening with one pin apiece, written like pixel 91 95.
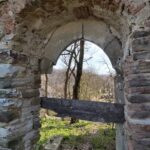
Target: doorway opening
pixel 96 84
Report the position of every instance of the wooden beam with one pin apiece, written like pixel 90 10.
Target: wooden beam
pixel 85 110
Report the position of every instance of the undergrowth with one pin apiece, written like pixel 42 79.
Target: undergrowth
pixel 99 136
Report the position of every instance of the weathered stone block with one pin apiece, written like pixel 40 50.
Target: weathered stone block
pixel 53 143
pixel 19 129
pixel 8 70
pixel 82 12
pixel 140 34
pixel 137 90
pixel 145 55
pixel 138 83
pixel 138 107
pixel 36 123
pixel 5 83
pixel 3 135
pixel 139 80
pixel 141 44
pixel 138 132
pixel 7 102
pixel 139 115
pixel 30 111
pixel 20 59
pixel 8 116
pixel 138 111
pixel 30 139
pixel 30 81
pixel 29 93
pixel 143 66
pixel 16 144
pixel 9 93
pixel 35 101
pixel 5 58
pixel 139 98
pixel 137 67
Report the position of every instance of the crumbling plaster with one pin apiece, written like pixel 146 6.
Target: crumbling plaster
pixel 40 24
pixel 38 34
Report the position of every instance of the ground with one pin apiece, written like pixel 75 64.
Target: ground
pixel 79 136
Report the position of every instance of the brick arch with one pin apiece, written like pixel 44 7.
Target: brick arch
pixel 95 31
pixel 25 26
pixel 36 23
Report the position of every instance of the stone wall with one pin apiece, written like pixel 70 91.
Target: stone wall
pixel 26 30
pixel 137 92
pixel 19 99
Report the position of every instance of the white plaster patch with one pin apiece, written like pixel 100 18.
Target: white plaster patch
pixel 6 102
pixel 6 43
pixel 9 102
pixel 4 46
pixel 9 92
pixel 3 133
pixel 8 37
pixel 7 70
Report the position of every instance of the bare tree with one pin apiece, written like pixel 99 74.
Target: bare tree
pixel 76 87
pixel 70 70
pixel 74 69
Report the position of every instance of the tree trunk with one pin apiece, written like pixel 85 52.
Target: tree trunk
pixel 46 93
pixel 67 75
pixel 76 87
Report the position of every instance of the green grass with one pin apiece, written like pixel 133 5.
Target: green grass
pixel 100 136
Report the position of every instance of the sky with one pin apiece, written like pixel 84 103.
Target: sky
pixel 98 62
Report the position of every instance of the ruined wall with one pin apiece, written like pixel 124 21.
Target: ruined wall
pixel 19 87
pixel 19 101
pixel 26 30
pixel 137 91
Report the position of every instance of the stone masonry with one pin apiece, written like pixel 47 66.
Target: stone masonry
pixel 137 92
pixel 33 33
pixel 19 100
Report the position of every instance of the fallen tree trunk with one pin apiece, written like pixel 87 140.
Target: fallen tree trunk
pixel 85 110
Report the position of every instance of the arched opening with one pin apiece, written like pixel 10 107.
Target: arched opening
pixel 108 38
pixel 97 84
pixel 94 54
pixel 34 50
